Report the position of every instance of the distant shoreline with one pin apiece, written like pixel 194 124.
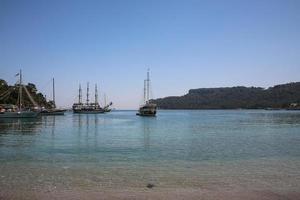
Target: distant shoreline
pixel 285 96
pixel 181 109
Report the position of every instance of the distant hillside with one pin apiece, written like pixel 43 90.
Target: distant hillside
pixel 279 96
pixel 9 95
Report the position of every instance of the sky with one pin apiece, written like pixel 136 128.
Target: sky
pixel 185 43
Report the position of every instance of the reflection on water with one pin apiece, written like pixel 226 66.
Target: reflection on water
pixel 23 125
pixel 172 135
pixel 280 117
pixel 146 131
pixel 176 148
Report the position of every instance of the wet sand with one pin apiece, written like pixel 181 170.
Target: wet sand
pixel 247 180
pixel 170 193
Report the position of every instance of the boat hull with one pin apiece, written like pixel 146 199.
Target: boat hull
pixel 23 114
pixel 89 111
pixel 53 112
pixel 146 115
pixel 148 110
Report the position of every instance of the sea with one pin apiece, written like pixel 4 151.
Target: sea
pixel 253 149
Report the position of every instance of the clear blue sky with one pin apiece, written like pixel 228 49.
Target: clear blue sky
pixel 187 44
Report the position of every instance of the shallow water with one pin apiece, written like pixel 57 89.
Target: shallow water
pixel 175 149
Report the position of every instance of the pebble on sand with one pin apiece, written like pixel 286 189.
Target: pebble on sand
pixel 150 185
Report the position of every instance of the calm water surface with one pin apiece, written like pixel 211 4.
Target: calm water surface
pixel 174 148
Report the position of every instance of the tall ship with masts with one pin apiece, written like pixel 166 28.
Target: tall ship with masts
pixel 53 110
pixel 147 109
pixel 19 111
pixel 87 108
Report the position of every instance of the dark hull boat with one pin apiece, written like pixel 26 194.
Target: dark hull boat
pixel 54 110
pixel 87 108
pixel 148 109
pixel 87 111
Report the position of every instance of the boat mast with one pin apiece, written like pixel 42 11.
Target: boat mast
pixel 104 99
pixel 80 95
pixel 20 89
pixel 145 91
pixel 87 94
pixel 53 91
pixel 96 94
pixel 148 83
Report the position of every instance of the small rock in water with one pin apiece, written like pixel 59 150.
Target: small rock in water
pixel 150 185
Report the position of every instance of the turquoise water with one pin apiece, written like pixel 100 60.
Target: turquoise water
pixel 175 148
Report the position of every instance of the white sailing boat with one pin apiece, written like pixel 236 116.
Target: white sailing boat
pixel 148 109
pixel 12 111
pixel 106 107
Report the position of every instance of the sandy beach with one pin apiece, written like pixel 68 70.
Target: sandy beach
pixel 254 179
pixel 170 193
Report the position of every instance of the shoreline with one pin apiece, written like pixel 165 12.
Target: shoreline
pixel 234 193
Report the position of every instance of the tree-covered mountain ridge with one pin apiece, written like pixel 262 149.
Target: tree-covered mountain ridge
pixel 278 96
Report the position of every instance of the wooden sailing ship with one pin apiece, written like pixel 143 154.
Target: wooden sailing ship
pixel 87 108
pixel 147 109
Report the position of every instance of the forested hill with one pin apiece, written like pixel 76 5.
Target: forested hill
pixel 279 96
pixel 9 95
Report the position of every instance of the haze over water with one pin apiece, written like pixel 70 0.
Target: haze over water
pixel 247 150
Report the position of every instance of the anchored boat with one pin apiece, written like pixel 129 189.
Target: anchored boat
pixel 53 110
pixel 148 109
pixel 12 111
pixel 87 108
pixel 107 106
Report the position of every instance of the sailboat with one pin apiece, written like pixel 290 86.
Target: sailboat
pixel 12 111
pixel 87 108
pixel 53 110
pixel 148 109
pixel 107 106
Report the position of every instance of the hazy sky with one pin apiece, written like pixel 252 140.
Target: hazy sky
pixel 186 44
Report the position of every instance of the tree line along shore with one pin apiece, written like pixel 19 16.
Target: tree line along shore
pixel 284 96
